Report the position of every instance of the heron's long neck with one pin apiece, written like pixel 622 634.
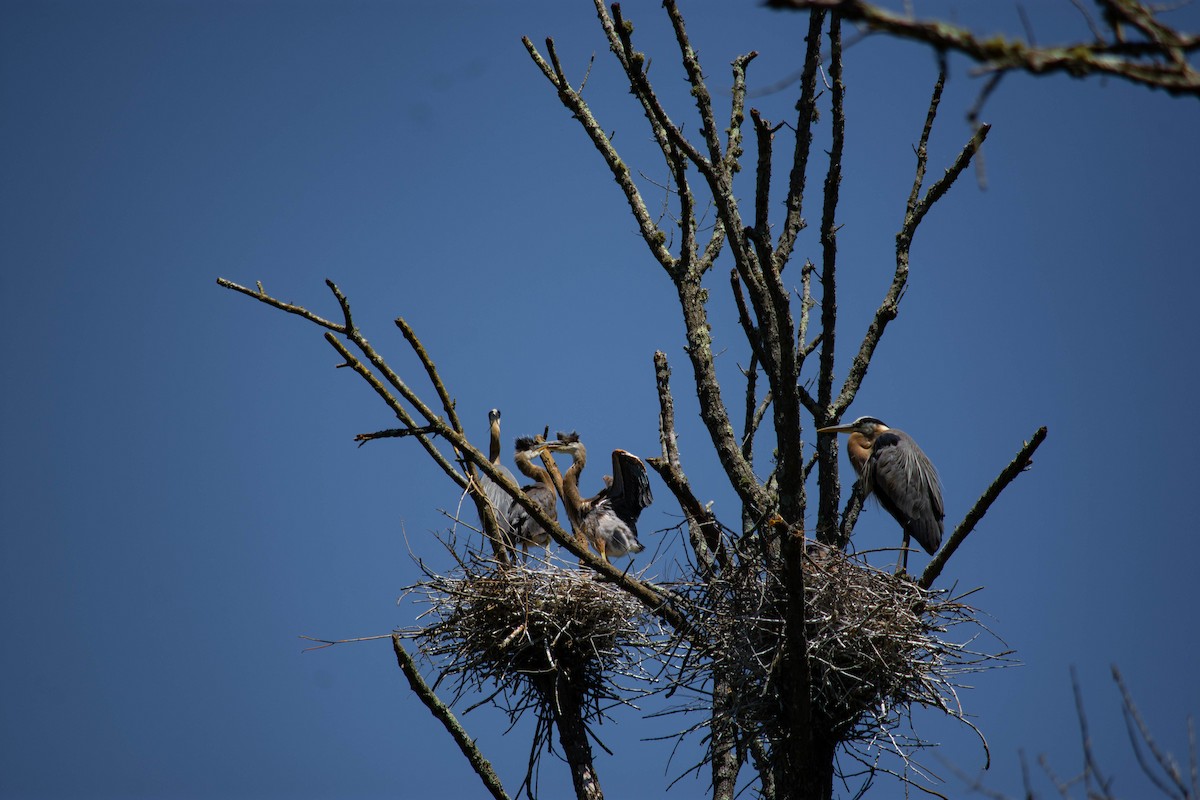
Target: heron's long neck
pixel 858 448
pixel 571 495
pixel 494 445
pixel 529 469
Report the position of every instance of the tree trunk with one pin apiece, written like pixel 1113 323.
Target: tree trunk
pixel 725 757
pixel 566 705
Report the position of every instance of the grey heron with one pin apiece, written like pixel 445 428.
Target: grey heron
pixel 899 474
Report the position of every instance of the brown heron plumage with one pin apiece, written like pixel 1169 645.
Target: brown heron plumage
pixel 609 518
pixel 899 474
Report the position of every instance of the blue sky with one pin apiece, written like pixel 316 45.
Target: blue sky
pixel 181 496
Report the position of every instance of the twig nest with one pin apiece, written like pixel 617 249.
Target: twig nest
pixel 517 627
pixel 876 642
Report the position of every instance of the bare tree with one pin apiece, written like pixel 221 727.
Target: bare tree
pixel 797 651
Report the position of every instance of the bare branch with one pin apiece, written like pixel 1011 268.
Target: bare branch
pixel 1009 473
pixel 805 114
pixel 421 433
pixel 1091 770
pixel 827 448
pixel 704 531
pixel 923 145
pixel 392 433
pixel 889 308
pixel 708 123
pixel 1133 717
pixel 323 643
pixel 749 422
pixel 431 370
pixel 850 515
pixel 685 275
pixel 737 113
pixel 914 217
pixel 764 136
pixel 263 297
pixel 653 236
pixel 443 714
pixel 1158 61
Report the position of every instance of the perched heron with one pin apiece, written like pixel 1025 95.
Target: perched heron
pixel 524 529
pixel 900 476
pixel 499 499
pixel 609 519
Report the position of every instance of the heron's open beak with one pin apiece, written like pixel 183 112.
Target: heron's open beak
pixel 836 429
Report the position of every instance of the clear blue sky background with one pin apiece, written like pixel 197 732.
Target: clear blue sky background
pixel 181 497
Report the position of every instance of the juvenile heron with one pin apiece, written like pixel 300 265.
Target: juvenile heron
pixel 608 519
pixel 524 529
pixel 894 469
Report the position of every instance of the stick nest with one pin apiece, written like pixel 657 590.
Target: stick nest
pixel 533 633
pixel 876 642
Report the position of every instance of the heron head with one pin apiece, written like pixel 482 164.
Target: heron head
pixel 494 416
pixel 867 426
pixel 528 444
pixel 565 443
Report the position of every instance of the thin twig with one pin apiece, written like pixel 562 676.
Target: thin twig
pixel 331 642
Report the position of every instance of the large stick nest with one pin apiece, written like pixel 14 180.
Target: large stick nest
pixel 877 645
pixel 527 634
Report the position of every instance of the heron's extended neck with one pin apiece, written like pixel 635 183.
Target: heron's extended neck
pixel 494 445
pixel 571 495
pixel 532 470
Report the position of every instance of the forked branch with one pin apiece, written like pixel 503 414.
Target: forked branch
pixel 917 209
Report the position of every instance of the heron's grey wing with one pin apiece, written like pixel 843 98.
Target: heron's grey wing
pixel 907 486
pixel 501 502
pixel 526 528
pixel 544 496
pixel 630 490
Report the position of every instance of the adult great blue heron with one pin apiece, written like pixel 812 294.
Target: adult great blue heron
pixel 499 499
pixel 608 519
pixel 894 469
pixel 516 526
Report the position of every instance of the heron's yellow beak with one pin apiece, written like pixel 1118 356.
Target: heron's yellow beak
pixel 836 429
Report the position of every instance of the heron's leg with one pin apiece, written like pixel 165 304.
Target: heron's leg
pixel 600 549
pixel 902 566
